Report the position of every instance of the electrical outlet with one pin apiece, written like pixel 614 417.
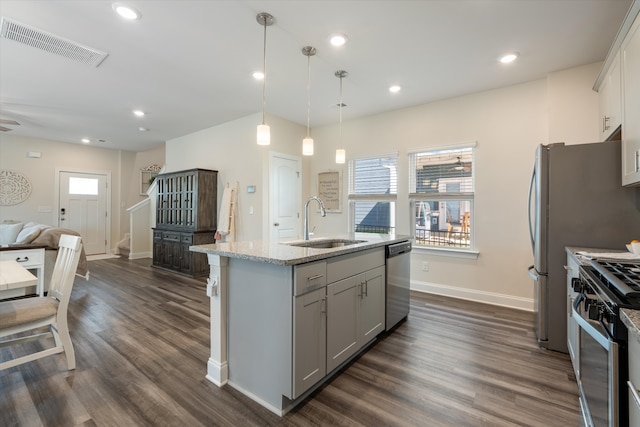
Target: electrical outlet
pixel 425 266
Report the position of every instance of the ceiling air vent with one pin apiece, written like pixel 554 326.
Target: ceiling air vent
pixel 21 33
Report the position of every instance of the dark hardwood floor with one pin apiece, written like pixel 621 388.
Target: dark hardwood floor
pixel 141 337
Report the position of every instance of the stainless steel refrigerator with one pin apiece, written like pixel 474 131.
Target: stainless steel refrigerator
pixel 576 198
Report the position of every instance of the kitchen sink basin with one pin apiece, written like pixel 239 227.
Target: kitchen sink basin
pixel 325 243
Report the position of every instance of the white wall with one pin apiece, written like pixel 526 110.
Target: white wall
pixel 571 100
pixel 41 172
pixel 231 149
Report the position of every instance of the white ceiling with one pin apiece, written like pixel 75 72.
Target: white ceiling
pixel 188 64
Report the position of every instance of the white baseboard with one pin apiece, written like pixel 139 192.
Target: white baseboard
pixel 217 373
pixel 139 255
pixel 474 295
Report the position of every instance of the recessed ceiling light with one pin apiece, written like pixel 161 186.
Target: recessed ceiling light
pixel 395 89
pixel 258 75
pixel 338 39
pixel 141 129
pixel 127 12
pixel 138 113
pixel 509 57
pixel 86 140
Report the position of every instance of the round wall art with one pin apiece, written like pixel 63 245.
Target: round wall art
pixel 15 188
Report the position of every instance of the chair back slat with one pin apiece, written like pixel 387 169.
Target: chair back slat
pixel 65 267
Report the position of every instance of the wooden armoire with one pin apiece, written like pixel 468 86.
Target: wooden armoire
pixel 186 206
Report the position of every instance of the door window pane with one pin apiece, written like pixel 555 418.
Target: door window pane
pixel 86 186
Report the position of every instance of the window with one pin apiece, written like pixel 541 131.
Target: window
pixel 441 196
pixel 83 186
pixel 373 188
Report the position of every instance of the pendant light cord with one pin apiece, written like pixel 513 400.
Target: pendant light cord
pixel 264 69
pixel 308 92
pixel 341 111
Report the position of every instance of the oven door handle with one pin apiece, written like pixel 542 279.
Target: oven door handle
pixel 604 339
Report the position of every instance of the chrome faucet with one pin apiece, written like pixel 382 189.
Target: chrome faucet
pixel 323 212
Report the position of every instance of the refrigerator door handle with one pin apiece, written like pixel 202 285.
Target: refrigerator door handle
pixel 533 180
pixel 540 308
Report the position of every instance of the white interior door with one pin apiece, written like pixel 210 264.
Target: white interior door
pixel 83 208
pixel 284 197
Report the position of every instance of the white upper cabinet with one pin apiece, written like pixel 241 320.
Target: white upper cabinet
pixel 610 100
pixel 630 65
pixel 618 86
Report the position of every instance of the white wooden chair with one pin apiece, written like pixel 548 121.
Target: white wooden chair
pixel 32 314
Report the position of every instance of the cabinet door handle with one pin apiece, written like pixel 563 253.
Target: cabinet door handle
pixel 25 259
pixel 317 276
pixel 323 305
pixel 366 289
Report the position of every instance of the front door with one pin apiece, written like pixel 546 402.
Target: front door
pixel 284 197
pixel 83 208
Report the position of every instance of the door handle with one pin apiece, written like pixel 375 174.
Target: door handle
pixel 276 224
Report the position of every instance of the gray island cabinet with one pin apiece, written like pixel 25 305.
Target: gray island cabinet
pixel 285 318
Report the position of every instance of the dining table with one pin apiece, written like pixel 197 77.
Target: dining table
pixel 13 275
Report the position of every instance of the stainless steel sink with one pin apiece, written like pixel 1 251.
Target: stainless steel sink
pixel 325 243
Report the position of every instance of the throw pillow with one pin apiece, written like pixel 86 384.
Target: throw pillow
pixel 9 232
pixel 27 234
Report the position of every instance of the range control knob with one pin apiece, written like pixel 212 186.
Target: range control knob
pixel 595 310
pixel 576 284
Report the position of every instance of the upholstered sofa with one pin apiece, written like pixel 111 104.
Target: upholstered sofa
pixel 18 233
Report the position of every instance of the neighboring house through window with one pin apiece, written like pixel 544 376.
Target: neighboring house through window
pixel 441 196
pixel 373 189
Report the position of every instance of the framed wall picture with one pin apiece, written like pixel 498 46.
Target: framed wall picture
pixel 329 190
pixel 147 175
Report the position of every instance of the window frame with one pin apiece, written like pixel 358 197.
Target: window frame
pixel 354 198
pixel 463 196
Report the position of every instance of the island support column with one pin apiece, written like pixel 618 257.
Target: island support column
pixel 217 285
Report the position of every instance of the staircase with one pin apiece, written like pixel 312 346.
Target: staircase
pixel 138 243
pixel 124 246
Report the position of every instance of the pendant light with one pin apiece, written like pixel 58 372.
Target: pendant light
pixel 341 154
pixel 307 143
pixel 264 132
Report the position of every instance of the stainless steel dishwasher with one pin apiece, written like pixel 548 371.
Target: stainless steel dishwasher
pixel 398 265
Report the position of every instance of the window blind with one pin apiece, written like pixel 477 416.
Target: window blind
pixel 443 173
pixel 373 177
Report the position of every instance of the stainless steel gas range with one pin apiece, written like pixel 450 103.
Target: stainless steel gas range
pixel 604 287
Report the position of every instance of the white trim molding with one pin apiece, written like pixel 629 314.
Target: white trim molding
pixel 492 298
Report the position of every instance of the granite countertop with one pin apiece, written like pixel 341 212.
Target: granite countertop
pixel 283 254
pixel 584 258
pixel 631 318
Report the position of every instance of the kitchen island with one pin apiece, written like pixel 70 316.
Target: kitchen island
pixel 286 316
